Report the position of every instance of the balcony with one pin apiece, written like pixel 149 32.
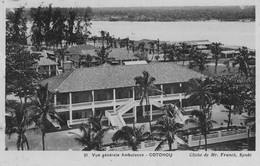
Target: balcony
pixel 110 103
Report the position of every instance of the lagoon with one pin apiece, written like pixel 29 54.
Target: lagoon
pixel 228 33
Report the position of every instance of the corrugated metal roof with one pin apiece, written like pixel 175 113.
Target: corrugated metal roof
pixel 106 77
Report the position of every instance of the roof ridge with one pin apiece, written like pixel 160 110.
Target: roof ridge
pixel 65 78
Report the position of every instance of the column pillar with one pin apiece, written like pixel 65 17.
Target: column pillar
pixel 133 93
pixel 151 112
pixel 49 70
pixel 134 112
pixel 93 102
pixel 114 99
pixel 143 109
pixel 55 99
pixel 70 106
pixel 161 97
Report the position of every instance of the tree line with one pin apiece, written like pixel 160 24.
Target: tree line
pixel 222 13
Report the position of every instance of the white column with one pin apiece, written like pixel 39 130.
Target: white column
pixel 133 93
pixel 180 103
pixel 55 99
pixel 93 102
pixel 161 97
pixel 134 112
pixel 114 99
pixel 70 114
pixel 49 70
pixel 151 112
pixel 143 109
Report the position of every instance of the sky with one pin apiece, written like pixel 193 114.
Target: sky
pixel 126 3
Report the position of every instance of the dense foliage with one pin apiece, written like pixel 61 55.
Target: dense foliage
pixel 229 13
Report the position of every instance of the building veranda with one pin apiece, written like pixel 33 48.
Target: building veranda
pixel 91 91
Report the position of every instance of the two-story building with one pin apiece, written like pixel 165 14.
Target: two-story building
pixel 112 90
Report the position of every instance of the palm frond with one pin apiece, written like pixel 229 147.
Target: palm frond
pixel 159 146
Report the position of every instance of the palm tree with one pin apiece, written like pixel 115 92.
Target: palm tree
pixel 250 122
pixel 245 59
pixel 44 114
pixel 204 124
pixel 173 53
pixel 18 122
pixel 103 35
pixel 166 128
pixel 200 91
pixel 198 60
pixel 93 132
pixel 131 135
pixel 141 46
pixel 146 85
pixel 103 54
pixel 152 44
pixel 165 49
pixel 183 51
pixel 216 50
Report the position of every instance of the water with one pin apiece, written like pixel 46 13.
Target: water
pixel 228 33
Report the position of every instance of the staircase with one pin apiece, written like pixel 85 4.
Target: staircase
pixel 115 117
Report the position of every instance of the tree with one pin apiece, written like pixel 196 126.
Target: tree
pixel 103 54
pixel 47 30
pixel 94 39
pixel 204 124
pixel 37 27
pixel 18 122
pixel 183 51
pixel 250 122
pixel 216 50
pixel 198 60
pixel 58 28
pixel 166 128
pixel 44 114
pixel 21 75
pixel 245 59
pixel 85 61
pixel 16 27
pixel 70 35
pixel 152 48
pixel 93 132
pixel 173 53
pixel 131 135
pixel 146 85
pixel 165 49
pixel 200 91
pixel 235 93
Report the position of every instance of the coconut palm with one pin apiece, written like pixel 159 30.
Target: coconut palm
pixel 183 51
pixel 245 59
pixel 152 47
pixel 216 50
pixel 200 91
pixel 103 54
pixel 166 129
pixel 165 49
pixel 198 60
pixel 250 122
pixel 203 123
pixel 90 139
pixel 44 114
pixel 145 84
pixel 132 136
pixel 18 122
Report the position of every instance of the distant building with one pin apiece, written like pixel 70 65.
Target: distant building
pixel 111 90
pixel 47 67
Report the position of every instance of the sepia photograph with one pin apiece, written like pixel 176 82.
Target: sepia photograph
pixel 117 76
